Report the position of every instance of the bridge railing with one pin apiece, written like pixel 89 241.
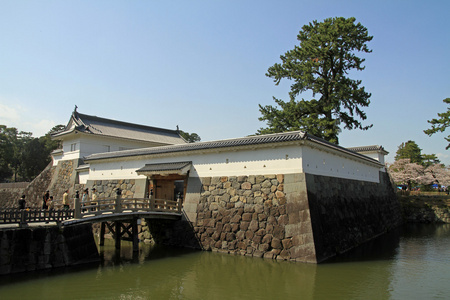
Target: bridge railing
pixel 89 208
pixel 123 205
pixel 24 216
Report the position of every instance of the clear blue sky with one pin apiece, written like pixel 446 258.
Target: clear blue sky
pixel 201 64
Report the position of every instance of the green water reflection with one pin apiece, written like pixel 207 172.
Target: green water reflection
pixel 411 264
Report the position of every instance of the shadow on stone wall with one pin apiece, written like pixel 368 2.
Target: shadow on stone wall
pixel 40 248
pixel 347 213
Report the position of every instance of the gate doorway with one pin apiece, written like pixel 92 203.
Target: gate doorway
pixel 167 187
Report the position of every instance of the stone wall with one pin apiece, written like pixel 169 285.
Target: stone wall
pixel 10 193
pixel 65 178
pixel 107 188
pixel 299 217
pixel 254 216
pixel 33 191
pixel 55 179
pixel 179 233
pixel 426 214
pixel 346 213
pixel 40 248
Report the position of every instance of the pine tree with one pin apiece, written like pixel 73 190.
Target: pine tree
pixel 320 64
pixel 439 125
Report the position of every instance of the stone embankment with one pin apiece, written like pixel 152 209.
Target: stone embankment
pixel 425 209
pixel 46 247
pixel 10 193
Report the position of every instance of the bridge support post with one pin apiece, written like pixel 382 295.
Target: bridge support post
pixel 102 234
pixel 118 208
pixel 77 206
pixel 23 218
pixel 134 232
pixel 117 235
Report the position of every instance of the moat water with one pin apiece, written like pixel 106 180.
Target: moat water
pixel 411 263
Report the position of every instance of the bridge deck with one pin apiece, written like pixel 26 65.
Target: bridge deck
pixel 127 215
pixel 102 210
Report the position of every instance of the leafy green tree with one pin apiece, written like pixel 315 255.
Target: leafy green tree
pixel 19 141
pixel 34 159
pixel 430 159
pixel 190 137
pixel 409 150
pixel 440 124
pixel 23 157
pixel 47 141
pixel 321 64
pixel 6 152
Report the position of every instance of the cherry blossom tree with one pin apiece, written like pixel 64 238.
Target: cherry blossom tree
pixel 402 171
pixel 438 173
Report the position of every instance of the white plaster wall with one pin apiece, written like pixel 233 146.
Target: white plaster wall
pixel 57 158
pixel 97 144
pixel 234 163
pixel 83 176
pixel 320 162
pixel 279 160
pixel 87 145
pixel 69 155
pixel 376 155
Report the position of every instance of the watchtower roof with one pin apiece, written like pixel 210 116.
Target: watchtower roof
pixel 112 128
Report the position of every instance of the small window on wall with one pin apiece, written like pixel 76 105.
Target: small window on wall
pixel 107 148
pixel 73 147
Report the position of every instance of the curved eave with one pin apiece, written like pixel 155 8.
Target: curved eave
pixel 57 151
pixel 83 168
pixel 63 133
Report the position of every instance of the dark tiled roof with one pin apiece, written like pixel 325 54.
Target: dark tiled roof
pixel 220 144
pixel 112 128
pixel 368 149
pixel 176 166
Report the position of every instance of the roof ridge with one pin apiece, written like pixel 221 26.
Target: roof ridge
pixel 134 125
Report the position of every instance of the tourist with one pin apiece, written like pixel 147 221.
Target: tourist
pixel 94 197
pixel 22 202
pixel 85 197
pixel 66 199
pixel 51 203
pixel 45 198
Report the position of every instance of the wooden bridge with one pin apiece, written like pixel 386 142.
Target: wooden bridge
pixel 119 214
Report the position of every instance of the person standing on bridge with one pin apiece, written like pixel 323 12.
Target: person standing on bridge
pixel 51 203
pixel 85 197
pixel 66 199
pixel 22 202
pixel 94 197
pixel 45 199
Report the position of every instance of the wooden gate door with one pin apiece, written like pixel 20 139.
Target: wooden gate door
pixel 165 189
